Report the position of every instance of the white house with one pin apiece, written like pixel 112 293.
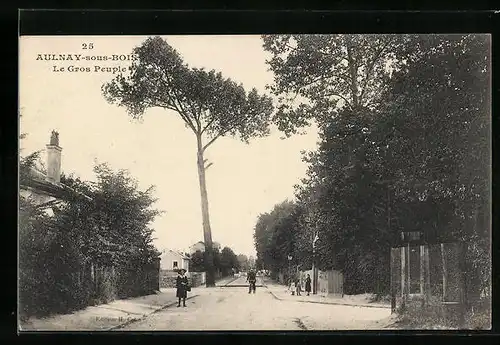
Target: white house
pixel 172 260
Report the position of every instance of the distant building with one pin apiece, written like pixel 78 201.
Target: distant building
pixel 172 260
pixel 45 189
pixel 197 246
pixel 200 245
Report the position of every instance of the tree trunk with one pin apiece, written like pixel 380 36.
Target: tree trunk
pixel 207 232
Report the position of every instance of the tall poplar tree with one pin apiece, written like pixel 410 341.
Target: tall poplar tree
pixel 210 105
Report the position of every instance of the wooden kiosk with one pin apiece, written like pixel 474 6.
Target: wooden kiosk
pixel 429 275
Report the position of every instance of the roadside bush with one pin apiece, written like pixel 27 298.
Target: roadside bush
pixel 87 249
pixel 34 269
pixel 479 315
pixel 46 284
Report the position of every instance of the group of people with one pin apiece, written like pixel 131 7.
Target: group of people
pixel 296 287
pixel 182 285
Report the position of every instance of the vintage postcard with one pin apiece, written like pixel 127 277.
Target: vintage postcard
pixel 254 182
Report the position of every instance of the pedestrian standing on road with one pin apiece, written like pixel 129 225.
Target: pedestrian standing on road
pixel 252 279
pixel 308 284
pixel 297 287
pixel 182 285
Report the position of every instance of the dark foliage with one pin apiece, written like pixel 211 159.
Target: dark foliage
pixel 413 155
pixel 87 252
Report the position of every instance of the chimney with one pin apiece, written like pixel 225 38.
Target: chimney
pixel 54 159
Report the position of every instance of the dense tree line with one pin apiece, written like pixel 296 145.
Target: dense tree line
pixel 225 261
pixel 245 263
pixel 57 251
pixel 274 239
pixel 404 146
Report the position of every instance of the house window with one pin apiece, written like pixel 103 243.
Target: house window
pixel 175 264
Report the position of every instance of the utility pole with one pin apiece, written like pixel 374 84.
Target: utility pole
pixel 314 269
pixel 289 268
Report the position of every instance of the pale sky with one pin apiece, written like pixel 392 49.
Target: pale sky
pixel 244 181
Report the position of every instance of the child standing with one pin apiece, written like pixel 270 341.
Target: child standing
pixel 297 287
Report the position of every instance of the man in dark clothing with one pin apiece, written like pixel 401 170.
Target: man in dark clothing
pixel 252 279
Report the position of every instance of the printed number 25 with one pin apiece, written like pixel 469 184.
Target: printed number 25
pixel 87 45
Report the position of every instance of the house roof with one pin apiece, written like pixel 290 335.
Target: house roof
pixel 182 255
pixel 37 182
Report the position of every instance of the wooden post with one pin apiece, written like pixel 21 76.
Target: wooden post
pixel 462 250
pixel 422 270
pixel 428 291
pixel 408 277
pixel 444 310
pixel 422 274
pixel 393 281
pixel 403 277
pixel 314 280
pixel 445 272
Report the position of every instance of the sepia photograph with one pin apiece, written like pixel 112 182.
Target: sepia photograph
pixel 277 182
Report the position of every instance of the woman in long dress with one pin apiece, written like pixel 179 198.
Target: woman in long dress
pixel 182 287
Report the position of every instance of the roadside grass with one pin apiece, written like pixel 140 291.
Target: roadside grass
pixel 435 317
pixel 418 318
pixel 479 317
pixel 377 298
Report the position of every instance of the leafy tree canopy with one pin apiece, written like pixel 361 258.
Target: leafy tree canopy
pixel 208 103
pixel 325 73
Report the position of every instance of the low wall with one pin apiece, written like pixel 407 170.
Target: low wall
pixel 168 278
pixel 197 278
